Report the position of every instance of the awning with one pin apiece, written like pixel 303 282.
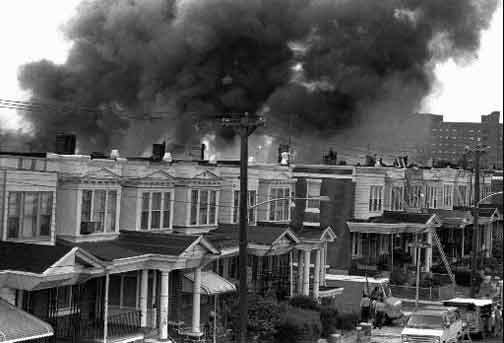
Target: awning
pixel 211 284
pixel 18 326
pixel 387 229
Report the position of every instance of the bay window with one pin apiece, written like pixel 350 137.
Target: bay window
pixel 156 211
pixel 203 209
pixel 279 210
pixel 29 215
pixel 251 201
pixel 98 211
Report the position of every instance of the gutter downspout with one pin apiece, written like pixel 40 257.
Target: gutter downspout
pixel 4 199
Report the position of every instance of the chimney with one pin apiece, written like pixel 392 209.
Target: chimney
pixel 331 157
pixel 65 144
pixel 167 157
pixel 114 154
pixel 283 148
pixel 158 151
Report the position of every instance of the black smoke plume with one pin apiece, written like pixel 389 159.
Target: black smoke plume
pixel 329 64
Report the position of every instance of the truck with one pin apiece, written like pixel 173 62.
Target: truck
pixel 433 325
pixel 355 286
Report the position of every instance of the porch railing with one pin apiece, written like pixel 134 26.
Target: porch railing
pixel 75 329
pixel 435 293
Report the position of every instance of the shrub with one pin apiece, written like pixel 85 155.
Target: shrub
pixel 347 321
pixel 463 278
pixel 263 316
pixel 329 319
pixel 304 302
pixel 298 325
pixel 398 278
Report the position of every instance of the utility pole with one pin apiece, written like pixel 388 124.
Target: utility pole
pixel 245 125
pixel 478 151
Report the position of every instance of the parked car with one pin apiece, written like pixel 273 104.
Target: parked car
pixel 353 288
pixel 433 325
pixel 477 313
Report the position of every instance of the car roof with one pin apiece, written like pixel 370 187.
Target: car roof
pixel 473 301
pixel 441 308
pixel 355 278
pixel 430 312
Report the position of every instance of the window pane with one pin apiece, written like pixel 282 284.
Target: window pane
pixel 203 208
pixel 194 207
pixel 129 291
pixel 156 219
pixel 236 206
pixel 14 209
pixel 252 211
pixel 46 199
pixel 156 201
pixel 144 216
pixel 99 209
pixel 86 206
pixel 111 211
pixel 30 214
pixel 213 207
pixel 166 210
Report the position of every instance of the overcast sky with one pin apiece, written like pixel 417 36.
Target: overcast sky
pixel 30 30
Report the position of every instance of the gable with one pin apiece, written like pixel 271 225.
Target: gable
pixel 159 175
pixel 101 173
pixel 206 175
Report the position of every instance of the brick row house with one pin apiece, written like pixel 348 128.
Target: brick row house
pixel 144 248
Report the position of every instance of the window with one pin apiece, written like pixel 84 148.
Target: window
pixel 312 211
pixel 29 215
pixel 156 211
pixel 279 210
pixel 460 198
pixel 415 196
pixel 447 195
pixel 252 196
pixel 432 196
pixel 375 198
pixel 98 211
pixel 203 207
pixel 396 198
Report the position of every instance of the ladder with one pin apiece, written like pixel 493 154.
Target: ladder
pixel 466 336
pixel 443 256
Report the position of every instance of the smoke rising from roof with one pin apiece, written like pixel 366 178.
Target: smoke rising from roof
pixel 329 64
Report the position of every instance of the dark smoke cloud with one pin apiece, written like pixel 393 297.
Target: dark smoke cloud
pixel 188 60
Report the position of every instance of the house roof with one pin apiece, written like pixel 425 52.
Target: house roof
pixel 32 258
pixel 131 244
pixel 227 235
pixel 484 211
pixel 316 234
pixel 17 325
pixel 390 217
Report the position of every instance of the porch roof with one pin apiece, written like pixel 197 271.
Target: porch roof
pixel 132 244
pixel 311 234
pixel 395 222
pixel 211 283
pixel 453 218
pixel 227 235
pixel 17 325
pixel 31 258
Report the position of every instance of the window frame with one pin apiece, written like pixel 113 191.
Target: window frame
pixel 397 191
pixel 375 198
pixel 285 207
pixel 162 209
pixel 37 215
pixel 192 206
pixel 92 211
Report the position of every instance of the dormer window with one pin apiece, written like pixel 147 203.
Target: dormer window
pixel 98 211
pixel 203 207
pixel 156 211
pixel 29 215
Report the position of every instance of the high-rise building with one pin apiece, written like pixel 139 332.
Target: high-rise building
pixel 448 140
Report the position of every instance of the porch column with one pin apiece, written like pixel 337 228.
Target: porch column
pixel 144 282
pixel 306 273
pixel 195 328
pixel 428 252
pixel 163 305
pixel 105 308
pixel 291 274
pixel 316 275
pixel 300 272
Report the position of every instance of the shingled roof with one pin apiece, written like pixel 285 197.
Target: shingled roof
pixel 32 258
pixel 390 217
pixel 131 244
pixel 453 218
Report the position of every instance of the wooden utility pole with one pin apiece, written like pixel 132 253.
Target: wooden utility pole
pixel 245 125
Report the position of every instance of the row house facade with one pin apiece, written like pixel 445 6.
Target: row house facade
pixel 127 249
pixel 384 210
